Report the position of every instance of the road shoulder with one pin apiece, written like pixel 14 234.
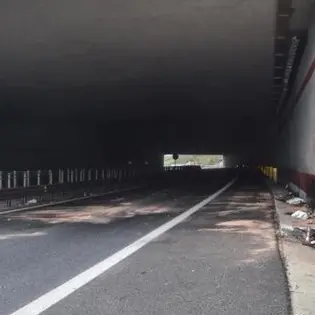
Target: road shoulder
pixel 299 260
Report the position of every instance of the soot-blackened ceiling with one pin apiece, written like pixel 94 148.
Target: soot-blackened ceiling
pixel 136 56
pixel 138 60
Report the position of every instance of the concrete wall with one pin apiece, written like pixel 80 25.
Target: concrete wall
pixel 295 148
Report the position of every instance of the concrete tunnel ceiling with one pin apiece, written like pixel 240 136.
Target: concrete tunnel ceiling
pixel 192 75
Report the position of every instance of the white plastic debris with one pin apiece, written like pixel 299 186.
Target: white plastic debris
pixel 295 201
pixel 31 202
pixel 299 214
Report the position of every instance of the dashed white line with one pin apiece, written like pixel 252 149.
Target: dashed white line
pixel 54 296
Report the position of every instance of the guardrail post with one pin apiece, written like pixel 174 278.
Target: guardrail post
pixel 14 179
pixel 24 179
pixel 28 178
pixel 89 174
pixel 38 177
pixel 96 174
pixel 9 180
pixel 76 175
pixel 68 176
pixel 60 176
pixel 103 174
pixel 50 177
pixel 1 177
pixel 72 176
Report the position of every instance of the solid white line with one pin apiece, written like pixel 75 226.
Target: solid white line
pixel 45 205
pixel 59 293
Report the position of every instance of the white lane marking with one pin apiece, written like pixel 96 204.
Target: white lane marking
pixel 45 205
pixel 59 293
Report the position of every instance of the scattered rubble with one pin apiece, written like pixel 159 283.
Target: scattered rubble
pixel 304 214
pixel 299 214
pixel 31 202
pixel 284 197
pixel 295 201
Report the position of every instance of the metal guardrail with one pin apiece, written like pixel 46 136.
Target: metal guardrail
pixel 46 185
pixel 24 188
pixel 36 178
pixel 18 188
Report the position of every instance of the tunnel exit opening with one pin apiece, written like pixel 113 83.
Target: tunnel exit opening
pixel 190 160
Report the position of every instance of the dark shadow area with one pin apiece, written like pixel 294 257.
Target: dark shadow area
pixel 180 191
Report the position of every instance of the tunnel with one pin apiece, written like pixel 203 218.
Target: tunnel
pixel 95 95
pixel 90 84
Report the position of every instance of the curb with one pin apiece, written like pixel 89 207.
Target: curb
pixel 280 233
pixel 282 227
pixel 45 205
pixel 298 271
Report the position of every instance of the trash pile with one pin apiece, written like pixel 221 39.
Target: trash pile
pixel 304 212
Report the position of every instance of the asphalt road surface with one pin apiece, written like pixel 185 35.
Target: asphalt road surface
pixel 222 259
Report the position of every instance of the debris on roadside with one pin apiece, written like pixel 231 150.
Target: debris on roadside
pixel 296 201
pixel 306 224
pixel 284 197
pixel 31 202
pixel 299 214
pixel 303 213
pixel 309 236
pixel 281 198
